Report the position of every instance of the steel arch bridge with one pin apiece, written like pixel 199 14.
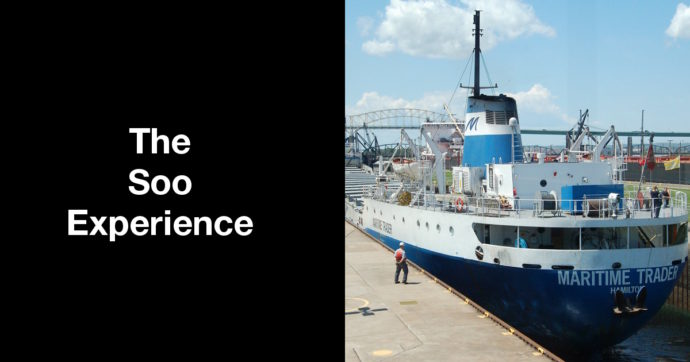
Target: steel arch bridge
pixel 368 147
pixel 394 119
pixel 412 118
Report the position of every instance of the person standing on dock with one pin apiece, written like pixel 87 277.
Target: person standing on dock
pixel 656 201
pixel 400 263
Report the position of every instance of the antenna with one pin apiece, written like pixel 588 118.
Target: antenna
pixel 477 32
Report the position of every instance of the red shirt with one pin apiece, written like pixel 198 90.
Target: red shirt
pixel 399 255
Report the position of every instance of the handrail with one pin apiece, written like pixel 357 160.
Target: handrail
pixel 593 206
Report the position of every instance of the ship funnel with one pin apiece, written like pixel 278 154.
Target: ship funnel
pixel 492 131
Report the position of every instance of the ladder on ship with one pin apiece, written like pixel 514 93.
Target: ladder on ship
pixel 517 146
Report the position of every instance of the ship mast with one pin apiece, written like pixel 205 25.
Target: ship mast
pixel 477 32
pixel 477 51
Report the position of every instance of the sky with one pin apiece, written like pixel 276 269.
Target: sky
pixel 555 57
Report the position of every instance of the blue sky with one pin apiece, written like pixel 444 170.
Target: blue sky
pixel 555 57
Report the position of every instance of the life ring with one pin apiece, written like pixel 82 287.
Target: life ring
pixel 459 204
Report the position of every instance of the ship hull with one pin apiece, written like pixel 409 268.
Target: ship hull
pixel 566 319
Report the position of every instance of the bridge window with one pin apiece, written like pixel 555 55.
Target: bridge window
pixel 551 238
pixel 482 232
pixel 677 233
pixel 648 236
pixel 604 238
pixel 535 237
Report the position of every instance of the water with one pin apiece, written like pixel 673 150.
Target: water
pixel 665 338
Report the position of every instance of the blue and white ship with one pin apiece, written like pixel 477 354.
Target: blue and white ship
pixel 555 249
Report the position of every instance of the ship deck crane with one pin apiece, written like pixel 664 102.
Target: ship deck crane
pixel 575 146
pixel 608 136
pixel 455 122
pixel 439 163
pixel 572 134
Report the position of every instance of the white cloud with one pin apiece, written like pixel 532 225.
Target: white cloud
pixel 364 25
pixel 437 29
pixel 536 102
pixel 374 47
pixel 539 100
pixel 680 24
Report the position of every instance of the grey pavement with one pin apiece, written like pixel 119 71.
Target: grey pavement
pixel 421 321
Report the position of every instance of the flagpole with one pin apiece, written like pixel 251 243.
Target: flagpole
pixel 669 150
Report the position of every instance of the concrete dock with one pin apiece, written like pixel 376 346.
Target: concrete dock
pixel 420 321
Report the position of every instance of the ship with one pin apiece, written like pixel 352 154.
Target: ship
pixel 555 249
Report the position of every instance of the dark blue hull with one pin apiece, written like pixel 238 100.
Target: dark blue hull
pixel 568 320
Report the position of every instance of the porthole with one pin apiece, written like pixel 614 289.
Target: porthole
pixel 403 220
pixel 374 211
pixel 479 253
pixel 427 225
pixel 417 223
pixel 381 212
pixel 542 183
pixel 451 230
pixel 438 227
pixel 393 217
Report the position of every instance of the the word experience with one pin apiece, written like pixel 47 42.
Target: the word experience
pixel 116 226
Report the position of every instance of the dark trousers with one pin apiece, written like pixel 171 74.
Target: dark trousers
pixel 402 266
pixel 657 207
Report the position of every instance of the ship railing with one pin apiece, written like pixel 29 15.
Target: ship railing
pixel 591 206
pixel 677 201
